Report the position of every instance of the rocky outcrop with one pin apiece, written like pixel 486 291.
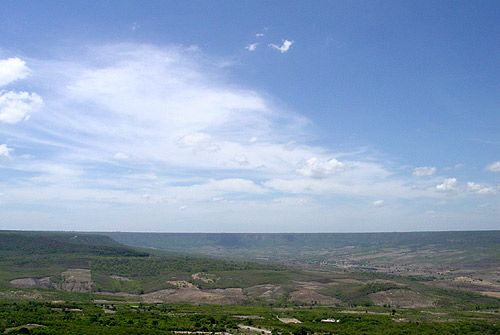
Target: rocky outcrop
pixel 44 282
pixel 76 280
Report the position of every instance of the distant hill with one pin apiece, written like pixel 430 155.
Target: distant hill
pixel 412 253
pixel 402 269
pixel 38 243
pixel 190 242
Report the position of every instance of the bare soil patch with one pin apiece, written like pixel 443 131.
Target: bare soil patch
pixel 204 277
pixel 180 284
pixel 491 294
pixel 267 292
pixel 255 329
pixel 32 282
pixel 194 295
pixel 401 298
pixel 289 320
pixel 76 280
pixel 309 296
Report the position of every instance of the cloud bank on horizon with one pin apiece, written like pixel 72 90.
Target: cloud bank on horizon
pixel 142 137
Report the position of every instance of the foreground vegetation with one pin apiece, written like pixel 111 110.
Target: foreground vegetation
pixel 114 318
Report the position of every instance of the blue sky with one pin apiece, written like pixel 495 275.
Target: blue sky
pixel 250 116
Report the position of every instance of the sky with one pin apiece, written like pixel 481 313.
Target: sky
pixel 250 116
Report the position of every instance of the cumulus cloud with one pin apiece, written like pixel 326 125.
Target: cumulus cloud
pixel 284 47
pixel 315 168
pixel 424 171
pixel 479 189
pixel 494 167
pixel 17 106
pixel 12 69
pixel 5 150
pixel 259 35
pixel 379 203
pixel 449 184
pixel 252 46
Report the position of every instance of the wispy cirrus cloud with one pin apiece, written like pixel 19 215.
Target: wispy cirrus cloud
pixel 494 167
pixel 424 171
pixel 134 125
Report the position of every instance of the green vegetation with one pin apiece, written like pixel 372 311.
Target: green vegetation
pixel 30 243
pixel 73 283
pixel 109 318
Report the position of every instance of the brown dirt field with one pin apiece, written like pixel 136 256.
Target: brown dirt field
pixel 308 296
pixel 491 294
pixel 194 295
pixel 268 292
pixel 401 298
pixel 466 283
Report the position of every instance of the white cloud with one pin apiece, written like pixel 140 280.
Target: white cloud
pixel 198 141
pixel 17 106
pixel 5 150
pixel 315 168
pixel 259 35
pixel 479 189
pixel 184 136
pixel 252 46
pixel 284 47
pixel 424 171
pixel 12 69
pixel 120 156
pixel 449 184
pixel 379 203
pixel 494 167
